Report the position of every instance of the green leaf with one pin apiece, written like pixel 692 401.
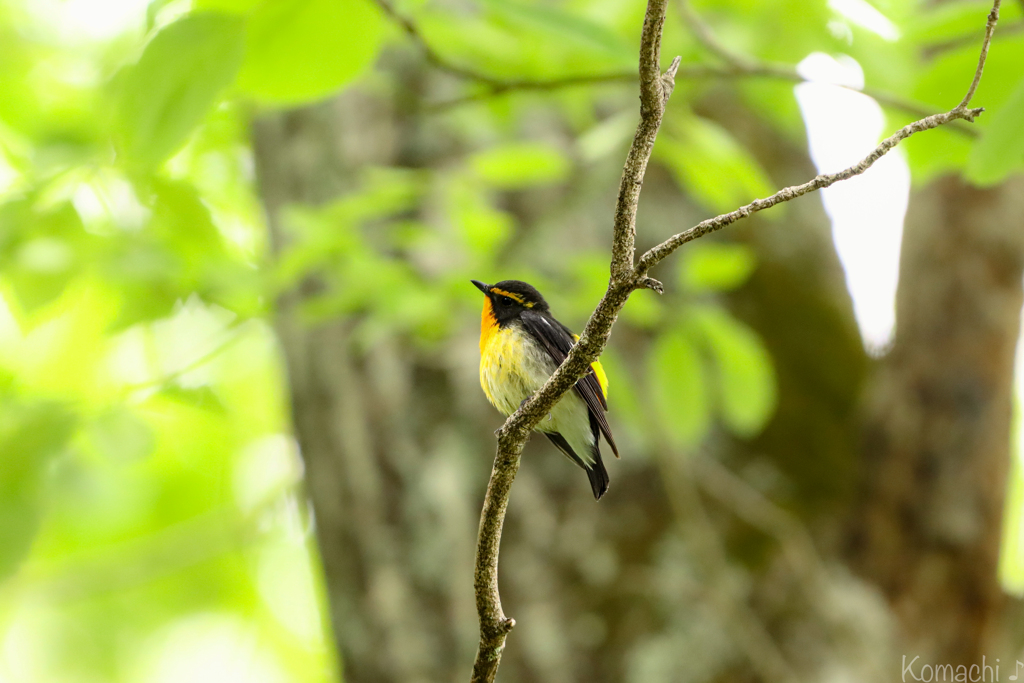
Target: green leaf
pixel 482 227
pixel 631 407
pixel 562 26
pixel 942 151
pixel 44 267
pixel 143 274
pixel 176 81
pixel 30 437
pixel 946 21
pixel 299 51
pixel 40 251
pixel 644 310
pixel 679 389
pixel 183 225
pixel 519 165
pixel 1000 149
pixel 229 6
pixel 710 164
pixel 942 84
pixel 746 379
pixel 715 266
pixel 19 522
pixel 608 137
pixel 120 436
pixel 950 21
pixel 203 398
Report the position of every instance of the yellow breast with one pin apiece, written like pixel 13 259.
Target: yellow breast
pixel 513 365
pixel 510 368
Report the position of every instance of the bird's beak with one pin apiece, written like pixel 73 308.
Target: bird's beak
pixel 481 286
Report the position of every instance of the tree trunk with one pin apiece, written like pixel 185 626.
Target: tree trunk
pixel 352 418
pixel 937 447
pixel 397 445
pixel 916 508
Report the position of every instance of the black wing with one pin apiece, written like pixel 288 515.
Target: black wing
pixel 597 474
pixel 558 341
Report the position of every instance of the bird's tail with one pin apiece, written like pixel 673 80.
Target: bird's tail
pixel 598 476
pixel 595 470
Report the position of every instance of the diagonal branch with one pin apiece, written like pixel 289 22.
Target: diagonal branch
pixel 688 72
pixel 744 65
pixel 737 66
pixel 706 37
pixel 656 254
pixel 625 279
pixel 655 89
pixel 990 28
pixel 433 57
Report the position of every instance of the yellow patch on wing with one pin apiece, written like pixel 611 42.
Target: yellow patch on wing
pixel 602 378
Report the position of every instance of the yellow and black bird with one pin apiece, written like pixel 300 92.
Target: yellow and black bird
pixel 521 345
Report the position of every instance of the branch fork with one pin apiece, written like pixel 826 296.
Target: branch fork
pixel 627 276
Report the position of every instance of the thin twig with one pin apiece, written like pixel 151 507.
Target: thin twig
pixel 737 67
pixel 413 31
pixel 744 65
pixel 706 37
pixel 990 27
pixel 656 254
pixel 686 72
pixel 655 88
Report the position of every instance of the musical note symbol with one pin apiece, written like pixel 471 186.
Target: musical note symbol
pixel 1013 676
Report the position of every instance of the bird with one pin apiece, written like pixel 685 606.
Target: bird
pixel 521 345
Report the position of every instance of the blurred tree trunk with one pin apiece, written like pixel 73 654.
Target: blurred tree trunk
pixel 937 447
pixel 353 417
pixel 297 162
pixel 898 467
pixel 397 449
pixel 397 446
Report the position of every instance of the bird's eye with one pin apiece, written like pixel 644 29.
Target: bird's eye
pixel 506 301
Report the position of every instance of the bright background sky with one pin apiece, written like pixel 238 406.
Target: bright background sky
pixel 867 211
pixel 867 225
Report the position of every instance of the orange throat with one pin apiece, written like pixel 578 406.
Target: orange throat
pixel 488 324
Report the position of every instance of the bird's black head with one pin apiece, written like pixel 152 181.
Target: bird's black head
pixel 509 298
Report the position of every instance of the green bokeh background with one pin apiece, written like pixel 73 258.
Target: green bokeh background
pixel 151 512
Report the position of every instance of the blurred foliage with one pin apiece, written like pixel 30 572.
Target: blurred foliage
pixel 149 511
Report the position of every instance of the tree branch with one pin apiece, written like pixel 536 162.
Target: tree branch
pixel 688 72
pixel 743 65
pixel 625 278
pixel 737 66
pixel 656 254
pixel 937 49
pixel 433 57
pixel 706 37
pixel 990 28
pixel 655 89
